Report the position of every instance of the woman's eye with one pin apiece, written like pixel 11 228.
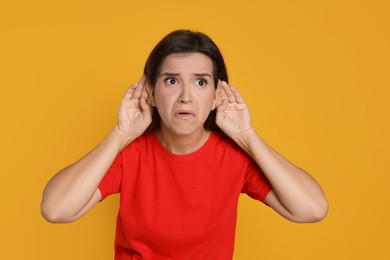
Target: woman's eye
pixel 170 81
pixel 201 82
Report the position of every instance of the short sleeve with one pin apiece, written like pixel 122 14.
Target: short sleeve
pixel 111 182
pixel 256 184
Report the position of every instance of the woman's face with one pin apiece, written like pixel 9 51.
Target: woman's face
pixel 184 93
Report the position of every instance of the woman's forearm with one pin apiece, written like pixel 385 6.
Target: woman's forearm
pixel 297 191
pixel 70 190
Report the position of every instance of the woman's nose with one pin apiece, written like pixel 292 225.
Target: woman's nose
pixel 184 100
pixel 185 96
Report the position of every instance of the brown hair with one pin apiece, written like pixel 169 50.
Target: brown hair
pixel 184 41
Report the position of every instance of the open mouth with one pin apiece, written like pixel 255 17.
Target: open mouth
pixel 185 113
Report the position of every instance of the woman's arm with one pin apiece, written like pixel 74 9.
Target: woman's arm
pixel 295 194
pixel 74 190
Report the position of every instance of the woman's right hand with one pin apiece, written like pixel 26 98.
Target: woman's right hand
pixel 73 191
pixel 135 114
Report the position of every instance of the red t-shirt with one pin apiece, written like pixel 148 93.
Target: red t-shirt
pixel 180 206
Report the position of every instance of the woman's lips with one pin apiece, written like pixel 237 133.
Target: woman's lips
pixel 185 113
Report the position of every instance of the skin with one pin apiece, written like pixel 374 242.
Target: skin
pixel 184 96
pixel 295 194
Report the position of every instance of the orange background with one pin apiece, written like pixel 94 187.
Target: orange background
pixel 315 75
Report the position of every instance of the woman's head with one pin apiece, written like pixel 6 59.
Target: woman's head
pixel 184 42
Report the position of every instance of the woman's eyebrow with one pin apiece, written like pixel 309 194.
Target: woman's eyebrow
pixel 203 75
pixel 173 74
pixel 169 74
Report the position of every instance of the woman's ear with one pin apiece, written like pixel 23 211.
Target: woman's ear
pixel 217 97
pixel 150 92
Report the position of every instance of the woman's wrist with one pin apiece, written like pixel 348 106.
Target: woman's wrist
pixel 244 139
pixel 122 137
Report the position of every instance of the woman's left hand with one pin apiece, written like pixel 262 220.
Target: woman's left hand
pixel 295 194
pixel 232 113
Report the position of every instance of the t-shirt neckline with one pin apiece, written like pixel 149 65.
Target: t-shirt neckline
pixel 182 157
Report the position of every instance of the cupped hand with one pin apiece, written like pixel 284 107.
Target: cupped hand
pixel 232 113
pixel 135 114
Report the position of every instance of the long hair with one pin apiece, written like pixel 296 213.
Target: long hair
pixel 184 41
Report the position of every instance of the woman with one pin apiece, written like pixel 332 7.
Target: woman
pixel 180 155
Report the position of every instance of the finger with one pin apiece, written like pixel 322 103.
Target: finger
pixel 222 93
pixel 130 91
pixel 237 95
pixel 223 99
pixel 139 88
pixel 144 104
pixel 223 105
pixel 228 92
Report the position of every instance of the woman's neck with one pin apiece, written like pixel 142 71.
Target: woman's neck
pixel 182 144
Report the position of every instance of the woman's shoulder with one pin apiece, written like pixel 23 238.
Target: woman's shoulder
pixel 221 140
pixel 224 149
pixel 142 142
